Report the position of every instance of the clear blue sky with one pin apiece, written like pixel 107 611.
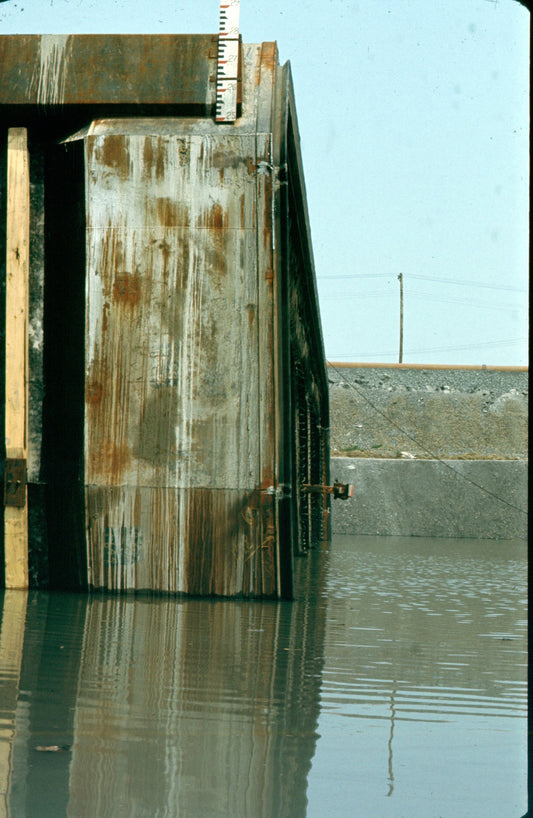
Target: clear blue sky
pixel 414 119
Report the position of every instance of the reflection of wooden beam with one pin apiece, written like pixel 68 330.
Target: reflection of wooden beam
pixel 17 296
pixel 13 622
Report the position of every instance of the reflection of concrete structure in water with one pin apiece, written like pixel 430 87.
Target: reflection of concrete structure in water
pixel 168 707
pixel 13 621
pixel 37 714
pixel 174 329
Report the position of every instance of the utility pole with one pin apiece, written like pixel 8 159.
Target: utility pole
pixel 400 356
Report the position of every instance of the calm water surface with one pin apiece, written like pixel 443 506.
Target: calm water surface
pixel 395 685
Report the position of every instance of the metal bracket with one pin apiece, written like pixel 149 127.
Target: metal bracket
pixel 15 482
pixel 340 491
pixel 279 491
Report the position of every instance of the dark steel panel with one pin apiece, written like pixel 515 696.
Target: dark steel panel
pixel 71 69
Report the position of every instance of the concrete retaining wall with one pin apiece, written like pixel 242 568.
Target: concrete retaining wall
pixel 394 424
pixel 429 498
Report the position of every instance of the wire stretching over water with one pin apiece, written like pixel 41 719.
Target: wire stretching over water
pixel 422 446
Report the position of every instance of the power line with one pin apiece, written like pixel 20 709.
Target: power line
pixel 466 283
pixel 344 296
pixel 421 445
pixel 357 275
pixel 371 294
pixel 455 281
pixel 480 304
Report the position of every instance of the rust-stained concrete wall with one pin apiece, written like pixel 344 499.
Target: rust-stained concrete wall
pixel 174 292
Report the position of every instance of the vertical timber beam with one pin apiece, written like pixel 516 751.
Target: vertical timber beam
pixel 16 376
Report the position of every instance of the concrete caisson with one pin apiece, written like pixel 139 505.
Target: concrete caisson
pixel 180 400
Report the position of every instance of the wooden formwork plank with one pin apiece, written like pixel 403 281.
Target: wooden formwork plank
pixel 17 297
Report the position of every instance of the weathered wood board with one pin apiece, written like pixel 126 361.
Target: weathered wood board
pixel 16 375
